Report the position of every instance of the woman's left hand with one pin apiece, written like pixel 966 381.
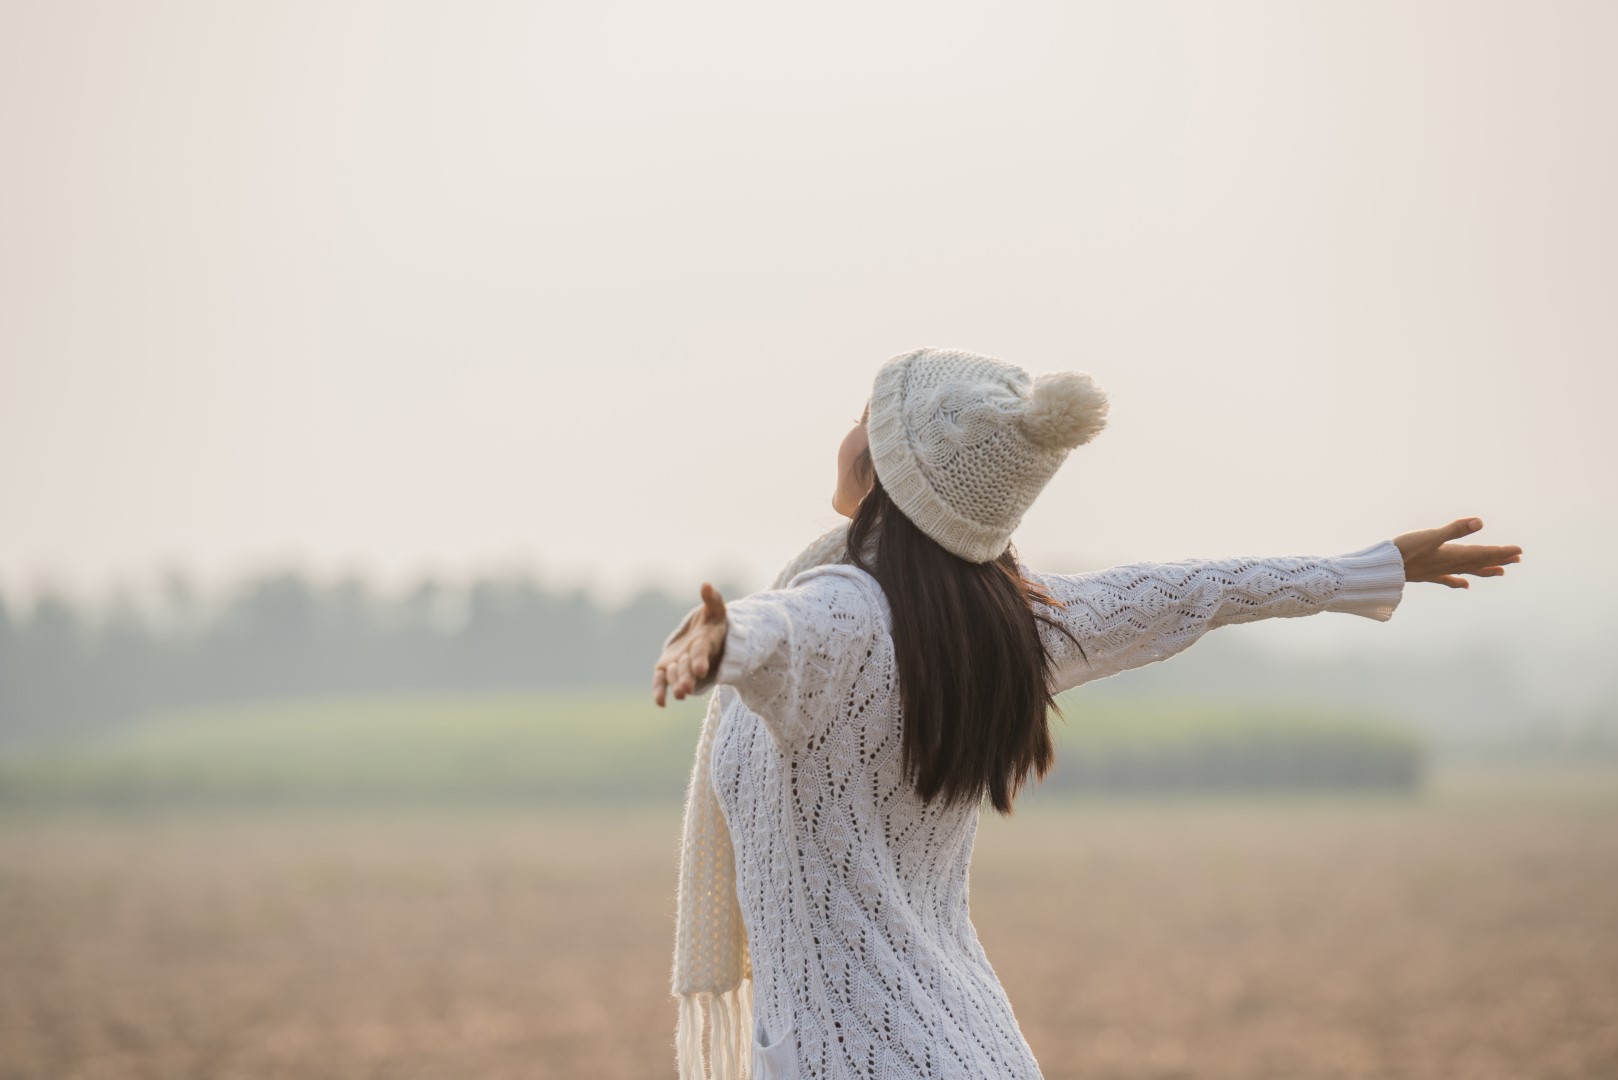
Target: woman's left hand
pixel 696 649
pixel 1430 556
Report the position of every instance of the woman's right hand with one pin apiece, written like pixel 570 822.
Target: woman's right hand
pixel 694 650
pixel 1428 556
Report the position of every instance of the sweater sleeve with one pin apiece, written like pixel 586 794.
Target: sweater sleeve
pixel 1129 616
pixel 789 651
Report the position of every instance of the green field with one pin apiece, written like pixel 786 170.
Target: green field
pixel 591 745
pixel 616 746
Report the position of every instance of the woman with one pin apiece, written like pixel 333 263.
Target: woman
pixel 900 671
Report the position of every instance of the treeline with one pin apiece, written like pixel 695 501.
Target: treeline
pixel 68 670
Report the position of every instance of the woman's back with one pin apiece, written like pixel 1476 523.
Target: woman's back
pixel 853 890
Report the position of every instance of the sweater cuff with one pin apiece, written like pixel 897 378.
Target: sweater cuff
pixel 739 637
pixel 1373 581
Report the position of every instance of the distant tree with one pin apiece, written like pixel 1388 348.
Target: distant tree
pixel 64 671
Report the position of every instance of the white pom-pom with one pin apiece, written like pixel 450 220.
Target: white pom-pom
pixel 1065 409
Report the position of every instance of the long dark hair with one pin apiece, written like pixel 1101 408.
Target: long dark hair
pixel 974 679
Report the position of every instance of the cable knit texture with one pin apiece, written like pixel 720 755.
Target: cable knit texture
pixel 964 442
pixel 862 957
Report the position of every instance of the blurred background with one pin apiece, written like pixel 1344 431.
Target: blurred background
pixel 379 381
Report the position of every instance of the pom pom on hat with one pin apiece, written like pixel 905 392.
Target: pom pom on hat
pixel 1065 409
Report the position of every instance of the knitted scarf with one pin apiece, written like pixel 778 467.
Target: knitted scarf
pixel 712 966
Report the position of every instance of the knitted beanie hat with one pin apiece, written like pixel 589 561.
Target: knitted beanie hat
pixel 963 443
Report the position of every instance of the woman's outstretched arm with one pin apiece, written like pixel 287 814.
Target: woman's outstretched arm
pixel 782 650
pixel 1129 616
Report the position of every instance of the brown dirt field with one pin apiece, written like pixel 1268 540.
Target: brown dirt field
pixel 1463 937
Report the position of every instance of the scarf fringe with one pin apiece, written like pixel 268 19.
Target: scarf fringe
pixel 730 1016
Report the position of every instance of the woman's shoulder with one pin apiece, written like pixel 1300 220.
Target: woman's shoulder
pixel 845 588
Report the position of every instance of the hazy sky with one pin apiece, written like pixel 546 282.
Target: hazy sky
pixel 597 289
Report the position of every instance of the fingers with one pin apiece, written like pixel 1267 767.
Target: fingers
pixel 1455 581
pixel 669 677
pixel 1462 527
pixel 679 673
pixel 666 678
pixel 1470 558
pixel 713 604
pixel 682 675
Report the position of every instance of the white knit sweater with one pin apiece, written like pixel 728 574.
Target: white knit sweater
pixel 865 963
